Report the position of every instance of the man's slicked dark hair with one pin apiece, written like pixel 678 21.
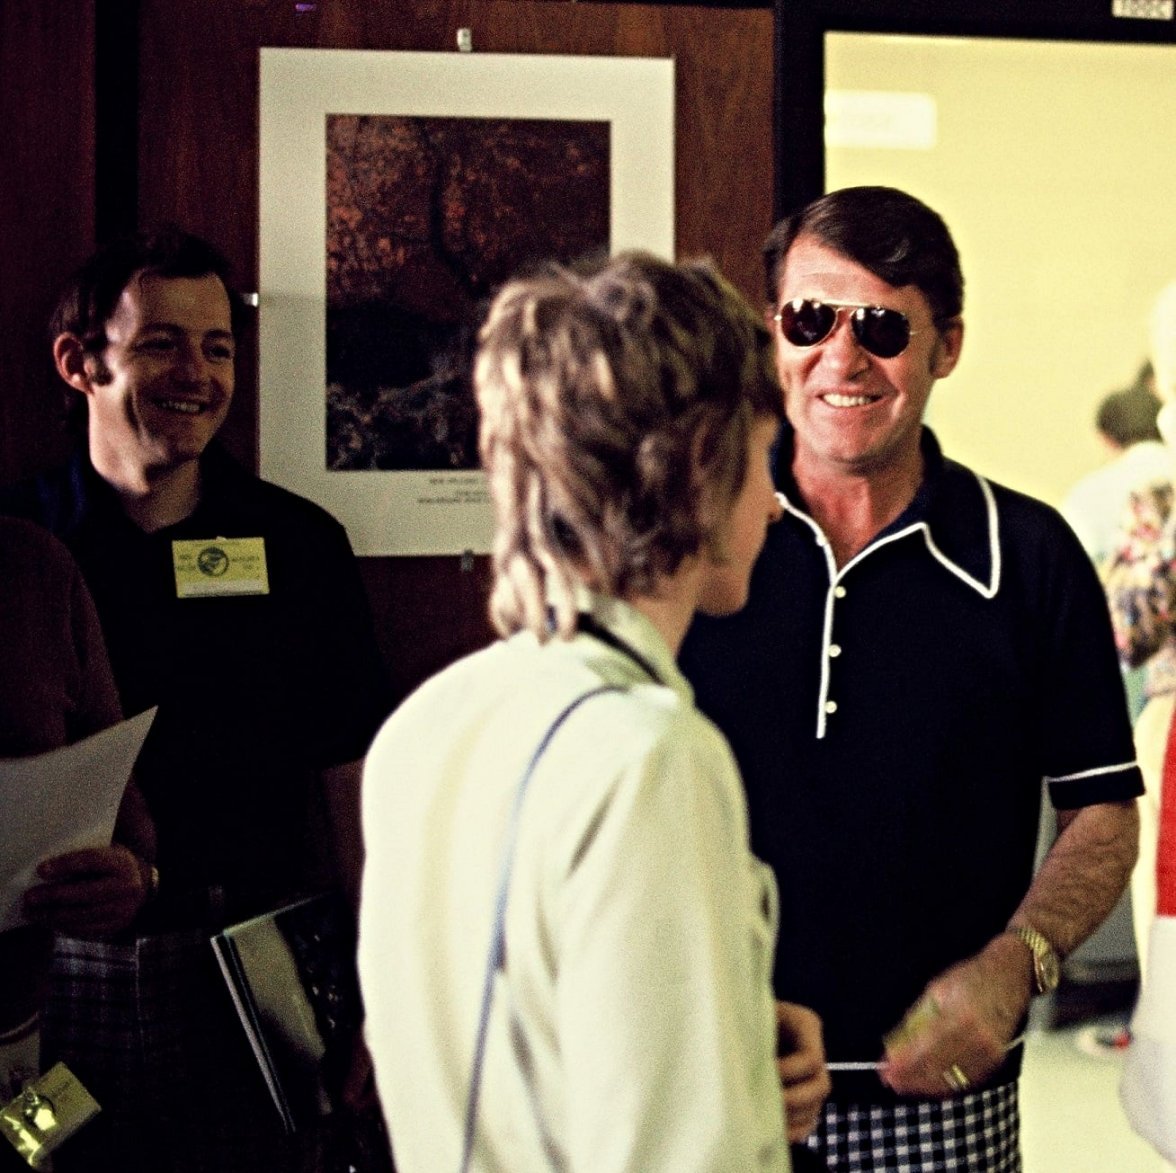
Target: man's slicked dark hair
pixel 91 294
pixel 886 231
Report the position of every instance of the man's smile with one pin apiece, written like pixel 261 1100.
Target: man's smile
pixel 183 406
pixel 835 399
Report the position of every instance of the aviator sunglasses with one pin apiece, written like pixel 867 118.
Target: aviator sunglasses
pixel 805 322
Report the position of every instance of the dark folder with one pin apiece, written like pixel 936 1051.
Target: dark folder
pixel 292 976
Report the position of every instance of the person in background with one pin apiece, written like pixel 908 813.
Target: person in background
pixel 237 608
pixel 56 688
pixel 1094 507
pixel 1126 423
pixel 627 412
pixel 921 650
pixel 1140 579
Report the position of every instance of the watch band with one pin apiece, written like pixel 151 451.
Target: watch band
pixel 1047 965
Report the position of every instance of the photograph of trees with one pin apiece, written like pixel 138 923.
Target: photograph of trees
pixel 426 217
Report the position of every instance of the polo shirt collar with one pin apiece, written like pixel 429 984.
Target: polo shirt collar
pixel 88 495
pixel 954 512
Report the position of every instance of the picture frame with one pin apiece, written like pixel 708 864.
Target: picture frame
pixel 407 511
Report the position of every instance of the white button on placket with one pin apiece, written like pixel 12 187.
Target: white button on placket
pixel 832 651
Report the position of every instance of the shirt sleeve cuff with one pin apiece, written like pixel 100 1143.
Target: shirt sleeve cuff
pixel 1109 784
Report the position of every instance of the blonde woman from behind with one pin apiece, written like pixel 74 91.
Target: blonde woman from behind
pixel 628 410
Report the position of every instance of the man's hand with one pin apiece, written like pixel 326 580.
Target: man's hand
pixel 95 892
pixel 957 1034
pixel 803 1076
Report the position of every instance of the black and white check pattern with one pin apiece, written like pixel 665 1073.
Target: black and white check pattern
pixel 975 1133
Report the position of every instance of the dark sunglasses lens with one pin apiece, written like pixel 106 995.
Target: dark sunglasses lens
pixel 882 332
pixel 805 323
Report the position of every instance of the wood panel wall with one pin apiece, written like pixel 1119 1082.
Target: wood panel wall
pixel 47 209
pixel 197 163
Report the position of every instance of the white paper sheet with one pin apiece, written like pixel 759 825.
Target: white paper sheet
pixel 61 801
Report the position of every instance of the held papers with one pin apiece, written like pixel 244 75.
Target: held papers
pixel 61 801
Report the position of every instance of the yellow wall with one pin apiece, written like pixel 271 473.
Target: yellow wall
pixel 1055 168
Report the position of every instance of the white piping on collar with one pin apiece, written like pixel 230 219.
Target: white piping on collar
pixel 994 564
pixel 827 623
pixel 985 590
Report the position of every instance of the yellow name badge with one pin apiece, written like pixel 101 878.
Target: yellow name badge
pixel 219 567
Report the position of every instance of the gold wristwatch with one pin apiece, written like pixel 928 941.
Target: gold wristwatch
pixel 1047 965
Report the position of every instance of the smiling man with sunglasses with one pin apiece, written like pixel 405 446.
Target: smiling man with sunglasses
pixel 922 651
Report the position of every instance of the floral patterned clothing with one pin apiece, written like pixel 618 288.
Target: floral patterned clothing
pixel 1140 579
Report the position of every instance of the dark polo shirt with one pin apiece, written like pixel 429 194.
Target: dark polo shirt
pixel 894 721
pixel 256 693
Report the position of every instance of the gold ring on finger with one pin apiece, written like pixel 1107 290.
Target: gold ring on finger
pixel 955 1078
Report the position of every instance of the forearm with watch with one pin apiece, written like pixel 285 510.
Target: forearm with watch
pixel 1079 881
pixel 960 1030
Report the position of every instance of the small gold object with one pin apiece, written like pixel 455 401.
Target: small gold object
pixel 955 1078
pixel 917 1019
pixel 48 1111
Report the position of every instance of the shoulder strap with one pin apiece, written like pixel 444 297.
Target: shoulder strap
pixel 497 954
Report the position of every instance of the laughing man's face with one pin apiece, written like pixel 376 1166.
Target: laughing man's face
pixel 851 410
pixel 162 386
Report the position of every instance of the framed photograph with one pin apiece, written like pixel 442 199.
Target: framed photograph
pixel 398 191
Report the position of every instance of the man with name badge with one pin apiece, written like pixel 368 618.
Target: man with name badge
pixel 237 608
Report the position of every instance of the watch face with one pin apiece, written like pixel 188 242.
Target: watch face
pixel 1049 972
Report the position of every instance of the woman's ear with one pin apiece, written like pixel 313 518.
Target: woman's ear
pixel 713 510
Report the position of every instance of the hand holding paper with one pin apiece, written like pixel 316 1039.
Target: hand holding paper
pixel 62 802
pixel 95 892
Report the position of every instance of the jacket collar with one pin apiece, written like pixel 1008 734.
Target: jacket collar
pixel 954 512
pixel 632 629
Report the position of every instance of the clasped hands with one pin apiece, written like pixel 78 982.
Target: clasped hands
pixel 93 892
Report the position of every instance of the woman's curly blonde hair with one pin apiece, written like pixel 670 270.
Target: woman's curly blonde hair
pixel 616 402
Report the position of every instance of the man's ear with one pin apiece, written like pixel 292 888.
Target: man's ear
pixel 947 349
pixel 69 357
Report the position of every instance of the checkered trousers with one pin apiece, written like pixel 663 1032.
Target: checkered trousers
pixel 974 1133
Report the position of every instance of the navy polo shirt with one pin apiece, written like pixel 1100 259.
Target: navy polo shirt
pixel 894 720
pixel 256 693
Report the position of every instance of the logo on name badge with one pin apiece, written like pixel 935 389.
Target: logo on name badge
pixel 213 561
pixel 220 567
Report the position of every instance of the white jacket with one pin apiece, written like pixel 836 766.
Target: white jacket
pixel 634 1028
